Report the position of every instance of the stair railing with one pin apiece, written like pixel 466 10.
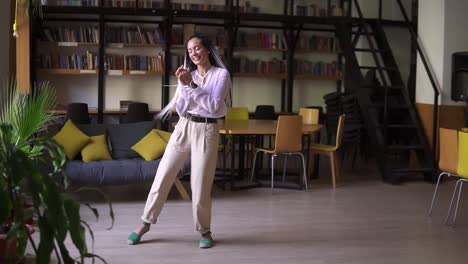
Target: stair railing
pixel 430 74
pixel 379 69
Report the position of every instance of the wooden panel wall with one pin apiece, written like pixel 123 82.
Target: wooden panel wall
pixel 450 116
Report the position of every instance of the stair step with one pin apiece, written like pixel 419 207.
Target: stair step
pixel 392 87
pixel 381 105
pixel 397 126
pixel 409 170
pixel 362 33
pixel 376 68
pixel 404 147
pixel 370 50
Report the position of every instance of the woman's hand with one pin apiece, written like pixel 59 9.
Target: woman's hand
pixel 184 76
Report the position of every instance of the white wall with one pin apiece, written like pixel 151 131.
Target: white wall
pixel 456 39
pixel 5 31
pixel 442 30
pixel 431 28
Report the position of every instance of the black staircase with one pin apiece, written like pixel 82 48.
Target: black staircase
pixel 389 115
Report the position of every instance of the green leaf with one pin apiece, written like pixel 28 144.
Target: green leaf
pixel 91 233
pixel 90 255
pixel 72 209
pixel 5 204
pixel 64 253
pixel 94 210
pixel 104 195
pixel 46 244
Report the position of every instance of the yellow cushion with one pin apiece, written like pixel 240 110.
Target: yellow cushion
pixel 151 146
pixel 322 147
pixel 163 134
pixel 462 154
pixel 71 139
pixel 96 149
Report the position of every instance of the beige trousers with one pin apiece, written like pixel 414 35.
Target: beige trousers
pixel 200 140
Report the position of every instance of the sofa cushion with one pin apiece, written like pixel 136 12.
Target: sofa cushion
pixel 115 172
pixel 71 139
pixel 151 146
pixel 93 129
pixel 96 149
pixel 163 134
pixel 124 136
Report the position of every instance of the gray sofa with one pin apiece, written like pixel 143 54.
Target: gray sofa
pixel 126 167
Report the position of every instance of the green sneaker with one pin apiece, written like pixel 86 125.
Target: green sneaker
pixel 206 242
pixel 133 239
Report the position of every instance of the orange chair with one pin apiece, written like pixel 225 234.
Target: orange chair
pixel 288 142
pixel 310 116
pixel 330 150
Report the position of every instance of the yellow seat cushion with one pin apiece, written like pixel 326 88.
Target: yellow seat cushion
pixel 151 146
pixel 163 134
pixel 71 139
pixel 322 147
pixel 96 149
pixel 462 170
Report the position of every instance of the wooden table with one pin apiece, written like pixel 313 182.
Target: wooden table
pixel 254 127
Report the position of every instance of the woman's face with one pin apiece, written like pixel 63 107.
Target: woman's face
pixel 197 52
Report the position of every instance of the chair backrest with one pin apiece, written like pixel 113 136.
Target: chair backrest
pixel 265 112
pixel 462 169
pixel 289 134
pixel 137 112
pixel 78 113
pixel 310 116
pixel 339 131
pixel 448 150
pixel 237 113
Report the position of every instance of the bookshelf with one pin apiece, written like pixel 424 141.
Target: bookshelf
pixel 150 35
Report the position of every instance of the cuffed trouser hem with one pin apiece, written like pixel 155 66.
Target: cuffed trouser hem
pixel 204 232
pixel 147 221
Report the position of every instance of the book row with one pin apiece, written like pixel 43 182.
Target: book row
pixel 89 61
pixel 317 43
pixel 134 62
pixel 81 34
pixel 135 35
pixel 261 40
pixel 317 68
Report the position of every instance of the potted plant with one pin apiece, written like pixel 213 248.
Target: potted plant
pixel 31 172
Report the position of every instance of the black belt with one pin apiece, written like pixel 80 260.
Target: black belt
pixel 199 119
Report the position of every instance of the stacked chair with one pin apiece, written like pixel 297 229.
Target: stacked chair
pixel 354 133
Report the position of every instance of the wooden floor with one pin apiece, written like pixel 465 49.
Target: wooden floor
pixel 363 221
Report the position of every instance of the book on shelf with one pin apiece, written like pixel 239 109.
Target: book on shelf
pixel 134 62
pixel 88 61
pixel 134 35
pixel 79 34
pixel 246 7
pixel 319 68
pixel 86 3
pixel 317 43
pixel 245 65
pixel 198 7
pixel 267 40
pixel 124 104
